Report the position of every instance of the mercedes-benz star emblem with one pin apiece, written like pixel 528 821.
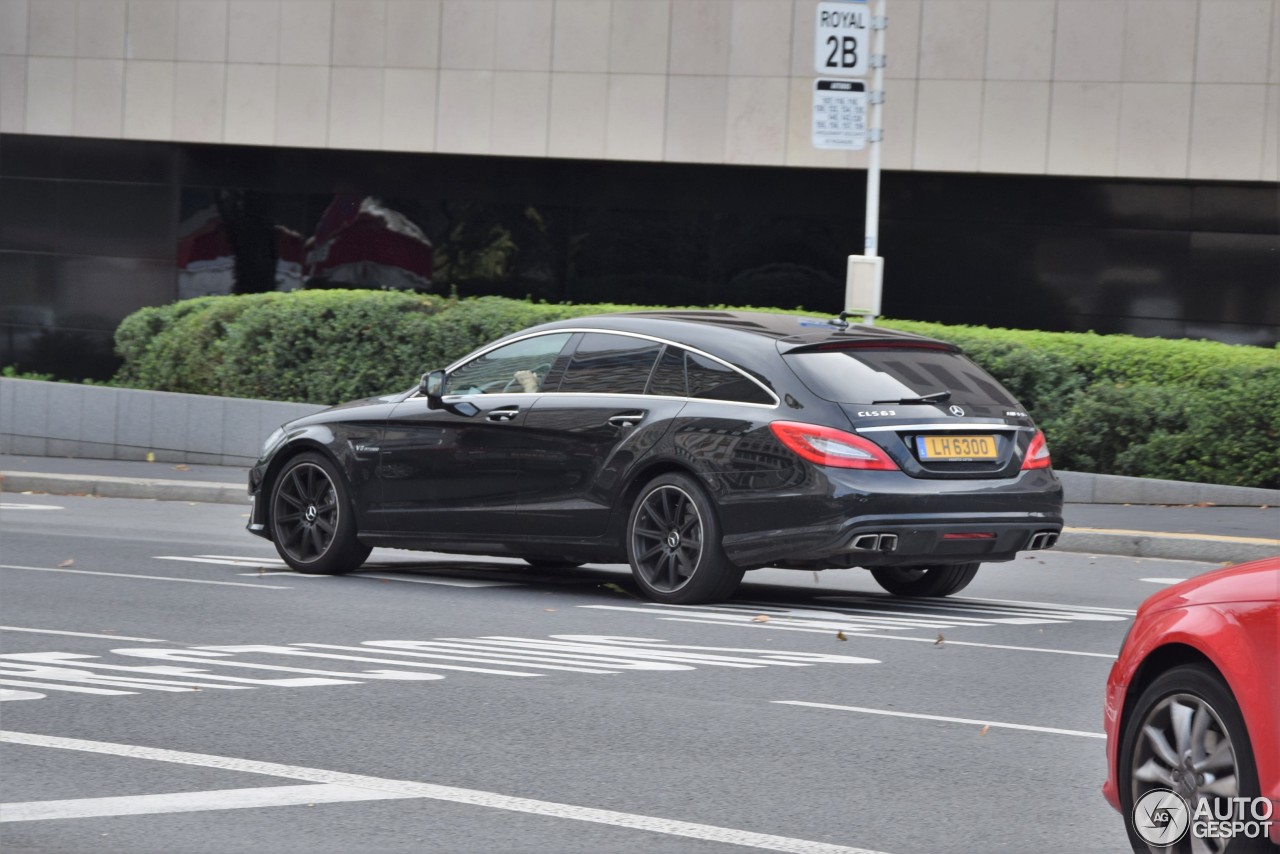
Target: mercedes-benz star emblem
pixel 957 411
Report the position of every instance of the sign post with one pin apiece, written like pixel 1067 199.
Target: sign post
pixel 840 121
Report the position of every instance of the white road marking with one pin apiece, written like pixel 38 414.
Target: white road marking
pixel 1009 608
pixel 1162 580
pixel 1028 727
pixel 45 686
pixel 876 613
pixel 227 560
pixel 10 506
pixel 145 577
pixel 863 634
pixel 222 562
pixel 169 669
pixel 79 634
pixel 451 794
pixel 284 650
pixel 7 694
pixel 444 582
pixel 224 799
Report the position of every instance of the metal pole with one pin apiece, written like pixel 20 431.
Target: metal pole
pixel 875 137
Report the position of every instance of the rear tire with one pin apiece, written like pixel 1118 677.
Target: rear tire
pixel 673 544
pixel 312 523
pixel 925 580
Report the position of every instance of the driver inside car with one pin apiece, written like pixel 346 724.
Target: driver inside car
pixel 528 381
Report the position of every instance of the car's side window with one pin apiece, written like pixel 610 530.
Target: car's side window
pixel 711 380
pixel 611 364
pixel 520 366
pixel 668 376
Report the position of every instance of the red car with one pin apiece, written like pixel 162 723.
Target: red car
pixel 1193 715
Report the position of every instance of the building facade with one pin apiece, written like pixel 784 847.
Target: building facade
pixel 1057 164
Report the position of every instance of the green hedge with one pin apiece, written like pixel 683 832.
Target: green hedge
pixel 1184 410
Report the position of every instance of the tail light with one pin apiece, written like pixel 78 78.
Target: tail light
pixel 826 446
pixel 1037 453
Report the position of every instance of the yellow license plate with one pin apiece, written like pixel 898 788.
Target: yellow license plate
pixel 956 448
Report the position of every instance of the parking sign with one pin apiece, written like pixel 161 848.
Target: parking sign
pixel 841 44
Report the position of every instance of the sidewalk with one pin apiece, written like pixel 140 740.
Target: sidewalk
pixel 1184 528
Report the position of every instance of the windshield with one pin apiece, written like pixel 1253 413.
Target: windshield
pixel 895 374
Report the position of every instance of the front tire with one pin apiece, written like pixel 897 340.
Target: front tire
pixel 312 523
pixel 1186 734
pixel 673 544
pixel 925 580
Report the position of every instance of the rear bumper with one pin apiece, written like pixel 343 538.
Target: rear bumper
pixel 873 541
pixel 873 519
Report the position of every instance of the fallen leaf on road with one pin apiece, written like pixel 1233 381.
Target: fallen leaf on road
pixel 940 640
pixel 549 610
pixel 67 563
pixel 151 457
pixel 760 618
pixel 985 729
pixel 840 636
pixel 182 468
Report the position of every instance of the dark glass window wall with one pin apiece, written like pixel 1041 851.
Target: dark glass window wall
pixel 91 230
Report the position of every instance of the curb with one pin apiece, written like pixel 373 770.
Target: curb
pixel 206 492
pixel 1205 548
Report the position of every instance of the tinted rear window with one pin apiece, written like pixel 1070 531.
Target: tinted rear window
pixel 611 364
pixel 866 375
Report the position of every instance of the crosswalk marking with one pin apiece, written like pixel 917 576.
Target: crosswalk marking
pixel 883 614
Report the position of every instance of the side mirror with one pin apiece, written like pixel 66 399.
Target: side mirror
pixel 432 388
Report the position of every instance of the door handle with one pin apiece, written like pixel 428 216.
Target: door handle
pixel 627 419
pixel 506 413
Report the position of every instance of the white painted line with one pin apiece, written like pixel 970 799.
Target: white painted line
pixel 862 634
pixel 231 560
pixel 145 577
pixel 8 506
pixel 225 799
pixel 226 562
pixel 1162 580
pixel 79 634
pixel 1016 611
pixel 451 794
pixel 1052 730
pixel 7 694
pixel 74 689
pixel 1057 606
pixel 444 582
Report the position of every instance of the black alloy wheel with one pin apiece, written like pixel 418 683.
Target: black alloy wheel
pixel 1185 734
pixel 312 524
pixel 673 544
pixel 925 580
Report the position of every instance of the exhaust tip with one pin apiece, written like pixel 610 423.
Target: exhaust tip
pixel 1043 540
pixel 874 542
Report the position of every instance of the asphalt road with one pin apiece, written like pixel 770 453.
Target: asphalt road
pixel 174 689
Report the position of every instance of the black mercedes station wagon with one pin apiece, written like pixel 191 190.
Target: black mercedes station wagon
pixel 694 445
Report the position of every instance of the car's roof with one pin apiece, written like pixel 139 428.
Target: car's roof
pixel 702 327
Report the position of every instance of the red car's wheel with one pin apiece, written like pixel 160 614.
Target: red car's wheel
pixel 1185 735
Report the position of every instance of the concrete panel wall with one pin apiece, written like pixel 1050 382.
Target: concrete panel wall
pixel 71 420
pixel 1172 89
